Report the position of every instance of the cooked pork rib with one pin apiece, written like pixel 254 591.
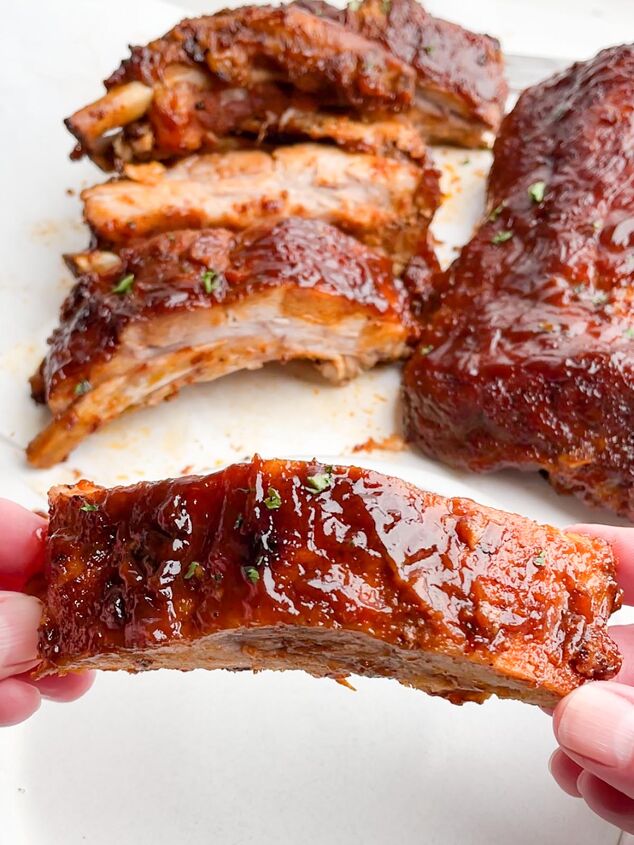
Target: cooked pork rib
pixel 460 85
pixel 208 75
pixel 333 570
pixel 528 359
pixel 384 203
pixel 194 305
pixel 270 71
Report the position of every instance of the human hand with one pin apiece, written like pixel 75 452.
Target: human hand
pixel 21 556
pixel 594 725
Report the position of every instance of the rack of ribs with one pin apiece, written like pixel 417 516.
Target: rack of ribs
pixel 333 570
pixel 527 358
pixel 193 305
pixel 376 79
pixel 384 203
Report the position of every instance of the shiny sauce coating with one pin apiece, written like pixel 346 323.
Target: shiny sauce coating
pixel 298 544
pixel 188 270
pixel 526 358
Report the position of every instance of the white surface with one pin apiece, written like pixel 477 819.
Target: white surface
pixel 165 758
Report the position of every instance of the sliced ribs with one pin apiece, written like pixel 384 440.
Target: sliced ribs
pixel 208 76
pixel 294 71
pixel 528 357
pixel 332 570
pixel 383 202
pixel 194 305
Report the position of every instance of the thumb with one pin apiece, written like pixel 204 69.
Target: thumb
pixel 595 727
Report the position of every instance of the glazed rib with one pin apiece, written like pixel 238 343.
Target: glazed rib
pixel 528 358
pixel 460 87
pixel 333 570
pixel 382 202
pixel 191 306
pixel 264 71
pixel 208 75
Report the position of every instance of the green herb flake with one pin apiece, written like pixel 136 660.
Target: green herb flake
pixel 88 507
pixel 194 568
pixel 540 558
pixel 629 333
pixel 386 5
pixel 465 161
pixel 502 237
pixel 320 481
pixel 493 216
pixel 536 191
pixel 425 350
pixel 82 388
pixel 428 49
pixel 599 299
pixel 124 285
pixel 354 5
pixel 273 499
pixel 210 280
pixel 597 225
pixel 252 574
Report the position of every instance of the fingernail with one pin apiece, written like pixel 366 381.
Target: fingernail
pixel 597 724
pixel 19 620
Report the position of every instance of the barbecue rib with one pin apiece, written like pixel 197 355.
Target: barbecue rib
pixel 191 306
pixel 460 86
pixel 208 75
pixel 528 358
pixel 289 71
pixel 333 570
pixel 384 203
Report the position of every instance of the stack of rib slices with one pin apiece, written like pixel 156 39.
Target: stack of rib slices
pixel 272 189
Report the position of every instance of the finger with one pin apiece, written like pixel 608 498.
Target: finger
pixel 623 635
pixel 595 727
pixel 18 701
pixel 67 688
pixel 607 802
pixel 22 546
pixel 19 620
pixel 565 771
pixel 622 542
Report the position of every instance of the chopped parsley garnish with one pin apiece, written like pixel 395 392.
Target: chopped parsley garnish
pixel 386 5
pixel 465 161
pixel 239 521
pixel 82 388
pixel 210 280
pixel 493 216
pixel 540 558
pixel 320 481
pixel 252 574
pixel 194 568
pixel 629 333
pixel 124 285
pixel 88 507
pixel 428 49
pixel 425 350
pixel 597 225
pixel 273 499
pixel 536 191
pixel 353 5
pixel 502 237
